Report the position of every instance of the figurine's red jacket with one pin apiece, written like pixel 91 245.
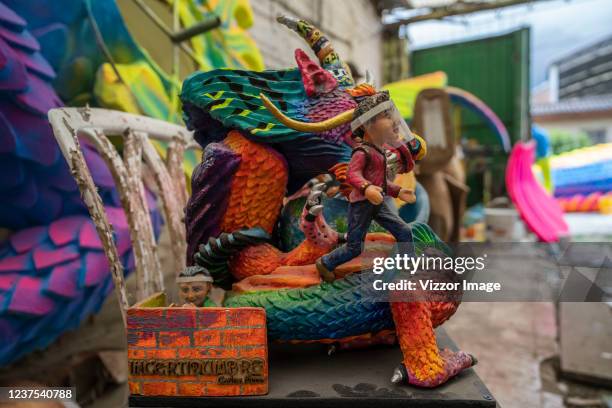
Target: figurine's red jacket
pixel 368 166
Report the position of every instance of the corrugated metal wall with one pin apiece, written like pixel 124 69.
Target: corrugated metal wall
pixel 495 69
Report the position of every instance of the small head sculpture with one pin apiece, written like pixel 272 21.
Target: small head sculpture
pixel 194 284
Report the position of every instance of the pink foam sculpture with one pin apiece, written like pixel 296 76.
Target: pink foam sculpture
pixel 540 212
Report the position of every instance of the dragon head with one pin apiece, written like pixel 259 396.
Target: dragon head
pixel 304 113
pixel 331 93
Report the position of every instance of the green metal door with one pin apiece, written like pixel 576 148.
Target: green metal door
pixel 496 70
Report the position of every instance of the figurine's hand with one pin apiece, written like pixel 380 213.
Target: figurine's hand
pixel 374 194
pixel 407 195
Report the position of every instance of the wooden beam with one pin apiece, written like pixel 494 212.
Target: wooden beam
pixel 456 9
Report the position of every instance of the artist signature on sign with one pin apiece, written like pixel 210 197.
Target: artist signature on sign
pixel 229 371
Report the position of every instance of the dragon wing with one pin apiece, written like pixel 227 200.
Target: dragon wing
pixel 210 184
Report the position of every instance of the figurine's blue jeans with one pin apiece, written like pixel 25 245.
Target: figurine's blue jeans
pixel 360 216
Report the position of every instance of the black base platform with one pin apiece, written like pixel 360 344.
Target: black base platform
pixel 305 376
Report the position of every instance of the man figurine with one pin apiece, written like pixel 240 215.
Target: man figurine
pixel 376 122
pixel 194 284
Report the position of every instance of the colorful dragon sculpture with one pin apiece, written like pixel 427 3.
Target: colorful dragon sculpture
pixel 254 156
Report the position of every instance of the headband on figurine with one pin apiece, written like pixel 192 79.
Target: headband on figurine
pixel 194 274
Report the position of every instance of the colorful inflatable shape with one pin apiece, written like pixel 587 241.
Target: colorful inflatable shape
pixel 543 151
pixel 594 202
pixel 539 211
pixel 583 171
pixel 474 104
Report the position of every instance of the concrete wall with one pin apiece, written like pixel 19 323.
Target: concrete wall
pixel 353 27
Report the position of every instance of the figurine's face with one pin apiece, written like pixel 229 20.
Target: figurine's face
pixel 194 292
pixel 382 129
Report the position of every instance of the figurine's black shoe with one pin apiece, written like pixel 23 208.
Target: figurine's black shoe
pixel 474 360
pixel 400 374
pixel 326 274
pixel 332 349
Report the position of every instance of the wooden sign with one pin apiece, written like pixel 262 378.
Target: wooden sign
pixel 213 351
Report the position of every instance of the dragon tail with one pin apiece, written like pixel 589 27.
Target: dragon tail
pixel 216 253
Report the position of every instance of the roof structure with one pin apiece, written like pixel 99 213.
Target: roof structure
pixel 403 12
pixel 583 107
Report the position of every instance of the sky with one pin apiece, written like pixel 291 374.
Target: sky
pixel 557 28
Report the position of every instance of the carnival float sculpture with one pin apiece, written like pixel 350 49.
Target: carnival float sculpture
pixel 53 271
pixel 272 136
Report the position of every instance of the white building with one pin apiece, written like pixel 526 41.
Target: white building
pixel 578 94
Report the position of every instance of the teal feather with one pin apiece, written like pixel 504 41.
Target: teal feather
pixel 231 97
